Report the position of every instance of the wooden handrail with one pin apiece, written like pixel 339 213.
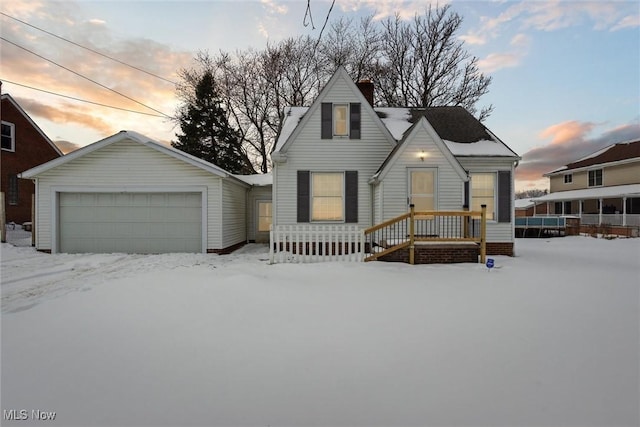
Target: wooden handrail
pixel 386 223
pixel 412 238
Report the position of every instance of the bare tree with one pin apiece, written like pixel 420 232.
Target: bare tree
pixel 425 64
pixel 420 63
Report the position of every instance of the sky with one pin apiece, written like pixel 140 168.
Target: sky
pixel 565 74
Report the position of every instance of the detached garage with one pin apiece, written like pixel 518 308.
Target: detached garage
pixel 129 194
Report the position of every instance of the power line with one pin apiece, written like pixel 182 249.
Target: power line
pixel 89 49
pixel 84 77
pixel 81 100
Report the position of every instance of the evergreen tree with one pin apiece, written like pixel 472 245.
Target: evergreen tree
pixel 206 132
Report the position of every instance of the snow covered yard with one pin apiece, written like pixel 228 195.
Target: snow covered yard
pixel 549 338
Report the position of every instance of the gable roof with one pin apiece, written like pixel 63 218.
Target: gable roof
pixel 135 138
pixel 9 98
pixel 297 117
pixel 618 152
pixel 421 123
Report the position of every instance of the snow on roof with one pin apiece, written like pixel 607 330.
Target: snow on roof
pixel 292 116
pixel 479 148
pixel 395 119
pixel 592 193
pixel 523 203
pixel 259 180
pixel 450 120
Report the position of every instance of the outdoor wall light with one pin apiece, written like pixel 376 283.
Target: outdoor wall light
pixel 422 155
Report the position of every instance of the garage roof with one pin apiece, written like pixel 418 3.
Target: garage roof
pixel 137 138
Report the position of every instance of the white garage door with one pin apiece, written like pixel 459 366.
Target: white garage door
pixel 130 222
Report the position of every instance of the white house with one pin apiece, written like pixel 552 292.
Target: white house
pixel 127 193
pixel 342 161
pixel 339 161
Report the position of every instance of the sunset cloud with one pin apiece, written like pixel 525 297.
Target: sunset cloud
pixel 569 141
pixel 66 146
pixel 567 132
pixel 25 68
pixel 68 113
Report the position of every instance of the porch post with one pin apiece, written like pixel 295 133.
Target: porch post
pixel 411 234
pixel 624 211
pixel 483 234
pixel 548 209
pixel 600 211
pixel 465 232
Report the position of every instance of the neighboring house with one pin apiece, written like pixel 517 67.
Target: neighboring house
pixel 342 161
pixel 127 193
pixel 24 146
pixel 603 187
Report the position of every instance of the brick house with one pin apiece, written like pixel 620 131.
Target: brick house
pixel 24 146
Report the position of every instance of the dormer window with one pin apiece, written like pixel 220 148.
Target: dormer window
pixel 8 136
pixel 340 120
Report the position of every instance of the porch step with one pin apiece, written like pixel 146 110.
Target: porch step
pixel 437 253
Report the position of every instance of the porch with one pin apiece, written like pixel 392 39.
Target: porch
pixel 616 206
pixel 414 238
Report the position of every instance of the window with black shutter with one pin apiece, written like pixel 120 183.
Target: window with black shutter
pixel 340 120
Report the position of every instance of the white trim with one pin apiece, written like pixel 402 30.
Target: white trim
pixel 256 217
pixel 343 195
pixel 435 184
pixel 13 136
pixel 57 189
pixel 139 139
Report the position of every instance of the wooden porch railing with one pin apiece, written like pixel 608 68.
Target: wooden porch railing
pixel 430 226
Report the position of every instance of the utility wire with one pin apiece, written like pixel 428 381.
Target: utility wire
pixel 78 99
pixel 85 77
pixel 89 49
pixel 325 24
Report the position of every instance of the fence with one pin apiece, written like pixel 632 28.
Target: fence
pixel 316 243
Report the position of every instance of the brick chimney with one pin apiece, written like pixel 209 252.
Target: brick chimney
pixel 366 87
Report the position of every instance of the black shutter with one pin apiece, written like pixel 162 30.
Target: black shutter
pixel 504 196
pixel 354 120
pixel 466 194
pixel 326 119
pixel 351 196
pixel 303 196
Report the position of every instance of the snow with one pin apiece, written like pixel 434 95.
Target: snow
pixel 396 120
pixel 293 115
pixel 547 338
pixel 259 180
pixel 523 203
pixel 483 147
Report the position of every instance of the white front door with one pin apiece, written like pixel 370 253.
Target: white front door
pixel 422 189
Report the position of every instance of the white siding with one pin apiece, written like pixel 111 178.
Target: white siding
pixel 234 210
pixel 449 184
pixel 496 232
pixel 310 152
pixel 127 165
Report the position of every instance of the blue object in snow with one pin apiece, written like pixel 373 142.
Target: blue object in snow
pixel 489 263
